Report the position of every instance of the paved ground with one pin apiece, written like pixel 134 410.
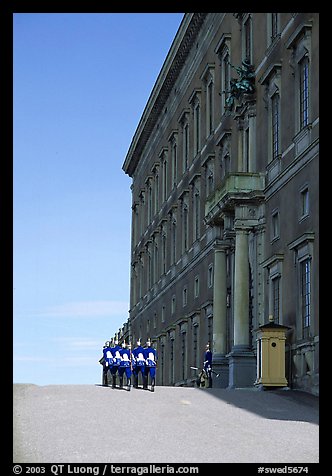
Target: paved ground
pixel 94 424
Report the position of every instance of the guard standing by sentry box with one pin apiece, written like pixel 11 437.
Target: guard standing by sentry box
pixel 271 339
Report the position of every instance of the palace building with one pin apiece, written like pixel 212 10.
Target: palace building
pixel 225 199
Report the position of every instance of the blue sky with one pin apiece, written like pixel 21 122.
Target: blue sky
pixel 81 82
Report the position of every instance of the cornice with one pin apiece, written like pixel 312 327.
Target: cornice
pixel 171 68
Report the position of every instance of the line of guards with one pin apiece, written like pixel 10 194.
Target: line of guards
pixel 122 360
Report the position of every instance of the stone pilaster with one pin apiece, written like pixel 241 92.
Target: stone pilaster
pixel 219 361
pixel 242 361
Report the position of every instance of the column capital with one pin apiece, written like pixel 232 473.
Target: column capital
pixel 221 245
pixel 242 228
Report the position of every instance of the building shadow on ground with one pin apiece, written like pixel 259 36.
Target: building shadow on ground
pixel 276 404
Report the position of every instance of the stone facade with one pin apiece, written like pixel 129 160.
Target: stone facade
pixel 225 198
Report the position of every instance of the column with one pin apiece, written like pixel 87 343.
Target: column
pixel 241 290
pixel 219 360
pixel 219 302
pixel 242 361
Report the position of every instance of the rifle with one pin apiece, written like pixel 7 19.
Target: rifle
pixel 202 369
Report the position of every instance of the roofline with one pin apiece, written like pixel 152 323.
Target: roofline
pixel 169 72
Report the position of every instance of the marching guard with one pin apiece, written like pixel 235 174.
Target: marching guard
pixel 150 355
pixel 125 364
pixel 139 367
pixel 116 361
pixel 106 361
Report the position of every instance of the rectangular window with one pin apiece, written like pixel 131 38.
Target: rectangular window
pixel 276 299
pixel 274 25
pixel 185 296
pixel 185 147
pixel 163 313
pixel 163 253
pixel 210 276
pixel 304 92
pixel 247 40
pixel 197 215
pixel 275 103
pixel 156 197
pixel 275 225
pixel 197 120
pixel 174 163
pixel 196 286
pixel 165 179
pixel 210 107
pixel 226 77
pixel 185 230
pixel 304 202
pixel 173 304
pixel 305 279
pixel 246 151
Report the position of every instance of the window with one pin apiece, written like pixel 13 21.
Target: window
pixel 163 252
pixel 303 258
pixel 197 122
pixel 305 292
pixel 174 158
pixel 226 78
pixel 163 313
pixel 275 225
pixel 246 154
pixel 209 176
pixel 223 51
pixel 304 92
pixel 276 298
pixel 210 276
pixel 224 146
pixel 150 200
pixel 208 80
pixel 304 202
pixel 301 50
pixel 196 287
pixel 196 213
pixel 274 25
pixel 185 222
pixel 273 266
pixel 173 239
pixel 164 171
pixel 173 304
pixel 195 101
pixel 156 195
pixel 185 147
pixel 185 296
pixel 271 79
pixel 246 39
pixel 275 123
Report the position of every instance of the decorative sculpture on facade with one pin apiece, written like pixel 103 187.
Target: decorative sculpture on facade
pixel 245 83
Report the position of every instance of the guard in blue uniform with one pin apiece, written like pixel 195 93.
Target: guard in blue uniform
pixel 116 361
pixel 150 355
pixel 125 365
pixel 207 364
pixel 139 366
pixel 106 361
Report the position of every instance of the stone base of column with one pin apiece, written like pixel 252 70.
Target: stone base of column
pixel 242 367
pixel 220 365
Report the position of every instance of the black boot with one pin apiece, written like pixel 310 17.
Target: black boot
pixel 114 381
pixel 152 385
pixel 145 382
pixel 135 381
pixel 105 380
pixel 129 384
pixel 121 382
